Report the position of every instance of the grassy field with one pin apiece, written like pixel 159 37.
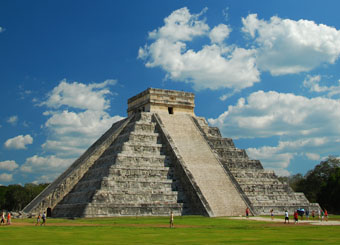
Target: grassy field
pixel 154 230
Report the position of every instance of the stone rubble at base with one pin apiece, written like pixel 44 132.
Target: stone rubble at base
pixel 163 158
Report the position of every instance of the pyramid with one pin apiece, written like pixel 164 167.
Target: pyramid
pixel 161 159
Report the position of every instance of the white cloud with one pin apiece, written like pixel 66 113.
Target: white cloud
pixel 79 95
pixel 265 114
pixel 67 126
pixel 6 177
pixel 12 120
pixel 49 164
pixel 214 66
pixel 219 33
pixel 313 156
pixel 8 165
pixel 19 142
pixel 303 125
pixel 286 46
pixel 313 84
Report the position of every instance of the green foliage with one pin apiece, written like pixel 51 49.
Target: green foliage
pixel 16 197
pixel 321 185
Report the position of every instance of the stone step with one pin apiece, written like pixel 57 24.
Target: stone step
pixel 229 153
pixel 265 174
pixel 132 159
pixel 134 171
pixel 121 198
pixel 138 137
pixel 135 147
pixel 217 143
pixel 122 182
pixel 105 210
pixel 242 164
pixel 140 126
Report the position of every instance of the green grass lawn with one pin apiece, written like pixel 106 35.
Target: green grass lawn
pixel 154 230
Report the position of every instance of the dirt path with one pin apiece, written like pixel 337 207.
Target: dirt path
pixel 276 220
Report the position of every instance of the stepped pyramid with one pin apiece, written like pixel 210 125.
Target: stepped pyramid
pixel 163 158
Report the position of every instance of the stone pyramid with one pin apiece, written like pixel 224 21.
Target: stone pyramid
pixel 163 158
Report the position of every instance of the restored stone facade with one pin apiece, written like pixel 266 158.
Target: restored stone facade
pixel 163 158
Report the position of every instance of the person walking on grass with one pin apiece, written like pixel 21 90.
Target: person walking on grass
pixel 247 212
pixel 286 217
pixel 313 214
pixel 326 215
pixel 272 214
pixel 38 219
pixel 171 220
pixel 9 217
pixel 296 217
pixel 2 218
pixel 43 219
pixel 322 215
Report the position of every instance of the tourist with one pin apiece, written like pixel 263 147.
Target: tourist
pixel 286 217
pixel 322 215
pixel 43 219
pixel 9 218
pixel 272 214
pixel 296 217
pixel 313 214
pixel 307 214
pixel 2 218
pixel 38 219
pixel 326 215
pixel 319 213
pixel 247 212
pixel 171 220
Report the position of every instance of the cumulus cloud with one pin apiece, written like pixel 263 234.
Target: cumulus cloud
pixel 83 116
pixel 49 164
pixel 79 95
pixel 8 165
pixel 219 33
pixel 214 66
pixel 265 114
pixel 303 125
pixel 19 142
pixel 6 177
pixel 13 120
pixel 313 84
pixel 76 117
pixel 286 46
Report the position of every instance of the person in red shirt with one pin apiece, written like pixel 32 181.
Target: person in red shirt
pixel 326 215
pixel 247 212
pixel 296 217
pixel 8 218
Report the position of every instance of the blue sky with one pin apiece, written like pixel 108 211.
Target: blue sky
pixel 265 72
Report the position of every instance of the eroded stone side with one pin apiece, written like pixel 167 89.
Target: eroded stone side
pixel 134 176
pixel 56 191
pixel 262 187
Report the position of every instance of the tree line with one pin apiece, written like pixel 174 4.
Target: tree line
pixel 321 184
pixel 16 197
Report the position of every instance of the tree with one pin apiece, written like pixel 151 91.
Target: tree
pixel 321 185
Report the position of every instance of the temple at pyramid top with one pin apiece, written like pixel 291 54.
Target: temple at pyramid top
pixel 162 100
